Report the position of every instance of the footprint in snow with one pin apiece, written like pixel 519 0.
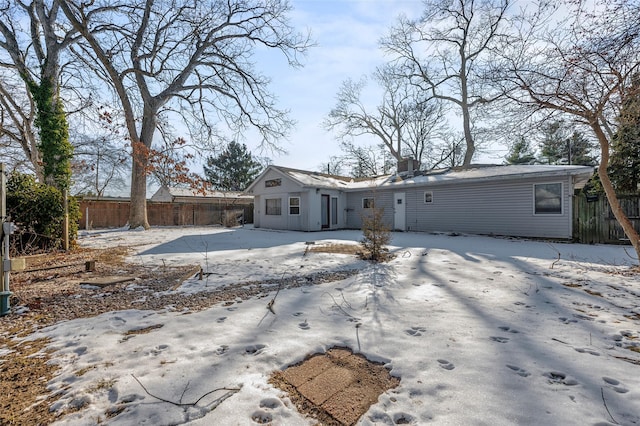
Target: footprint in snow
pixel 297 314
pixel 254 349
pixel 499 339
pixel 403 419
pixel 221 320
pixel 415 331
pixel 615 385
pixel 559 378
pixel 270 403
pixel 509 329
pixel 566 320
pixel 587 351
pixel 446 364
pixel 222 350
pixel 519 371
pixel 158 349
pixel 304 325
pixel 261 417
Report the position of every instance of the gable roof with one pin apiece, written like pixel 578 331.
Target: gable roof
pixel 309 179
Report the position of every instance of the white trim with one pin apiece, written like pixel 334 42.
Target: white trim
pixel 373 199
pixel 298 206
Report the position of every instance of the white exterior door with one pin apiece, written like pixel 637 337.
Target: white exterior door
pixel 399 211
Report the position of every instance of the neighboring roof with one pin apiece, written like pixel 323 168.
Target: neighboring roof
pixel 435 177
pixel 188 192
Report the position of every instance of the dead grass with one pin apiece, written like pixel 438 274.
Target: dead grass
pixel 24 374
pixel 353 249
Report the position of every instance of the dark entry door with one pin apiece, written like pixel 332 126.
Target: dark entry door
pixel 324 205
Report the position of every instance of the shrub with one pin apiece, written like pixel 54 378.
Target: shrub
pixel 37 209
pixel 376 236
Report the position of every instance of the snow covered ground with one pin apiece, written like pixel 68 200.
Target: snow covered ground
pixel 481 330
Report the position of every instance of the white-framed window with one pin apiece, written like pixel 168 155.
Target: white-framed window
pixel 294 206
pixel 428 197
pixel 273 206
pixel 547 198
pixel 368 203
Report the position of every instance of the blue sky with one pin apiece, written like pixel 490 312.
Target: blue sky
pixel 346 35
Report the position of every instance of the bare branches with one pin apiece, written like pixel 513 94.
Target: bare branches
pixel 456 40
pixel 230 392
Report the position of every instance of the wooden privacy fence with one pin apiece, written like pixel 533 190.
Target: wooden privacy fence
pixel 115 214
pixel 593 220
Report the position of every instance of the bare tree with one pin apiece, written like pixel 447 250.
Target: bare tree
pixel 191 57
pixel 406 122
pixel 445 53
pixel 101 160
pixel 367 161
pixel 580 68
pixel 17 131
pixel 33 41
pixel 333 166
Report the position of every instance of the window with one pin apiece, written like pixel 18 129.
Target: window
pixel 428 197
pixel 367 203
pixel 273 207
pixel 547 198
pixel 294 205
pixel 334 210
pixel 272 182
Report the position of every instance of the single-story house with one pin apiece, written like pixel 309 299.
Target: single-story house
pixel 514 200
pixel 188 195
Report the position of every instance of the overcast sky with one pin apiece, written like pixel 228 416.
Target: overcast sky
pixel 346 35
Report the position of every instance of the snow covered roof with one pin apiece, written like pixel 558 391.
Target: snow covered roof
pixel 309 179
pixel 172 192
pixel 489 173
pixel 434 177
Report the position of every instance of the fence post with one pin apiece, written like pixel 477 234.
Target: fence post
pixel 65 223
pixel 5 265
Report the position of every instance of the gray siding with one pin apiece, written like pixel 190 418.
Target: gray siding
pixel 500 208
pixel 355 212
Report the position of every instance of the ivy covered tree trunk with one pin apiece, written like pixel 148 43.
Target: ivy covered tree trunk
pixel 54 147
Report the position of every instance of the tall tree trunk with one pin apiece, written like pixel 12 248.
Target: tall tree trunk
pixel 138 203
pixel 139 172
pixel 612 198
pixel 468 137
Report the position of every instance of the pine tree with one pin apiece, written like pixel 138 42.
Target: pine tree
pixel 233 170
pixel 521 153
pixel 552 144
pixel 561 147
pixel 624 163
pixel 376 236
pixel 579 150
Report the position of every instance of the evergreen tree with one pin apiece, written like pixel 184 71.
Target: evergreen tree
pixel 233 170
pixel 624 163
pixel 559 146
pixel 521 153
pixel 551 146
